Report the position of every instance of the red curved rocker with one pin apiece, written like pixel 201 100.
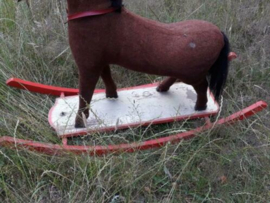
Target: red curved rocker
pixel 56 149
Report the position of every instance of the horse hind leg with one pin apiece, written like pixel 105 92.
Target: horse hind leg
pixel 165 85
pixel 201 90
pixel 111 90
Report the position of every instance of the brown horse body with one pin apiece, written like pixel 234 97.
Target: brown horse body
pixel 184 51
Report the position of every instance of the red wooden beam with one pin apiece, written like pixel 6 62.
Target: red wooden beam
pixel 43 89
pixel 232 56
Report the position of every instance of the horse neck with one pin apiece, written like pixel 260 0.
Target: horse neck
pixel 75 6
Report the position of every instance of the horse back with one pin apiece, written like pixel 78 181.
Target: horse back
pixel 164 48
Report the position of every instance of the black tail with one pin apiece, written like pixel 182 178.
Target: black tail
pixel 219 71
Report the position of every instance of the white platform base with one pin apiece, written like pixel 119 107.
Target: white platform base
pixel 135 106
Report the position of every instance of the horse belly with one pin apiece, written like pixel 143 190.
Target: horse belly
pixel 176 58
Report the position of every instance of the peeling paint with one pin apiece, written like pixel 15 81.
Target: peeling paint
pixel 192 45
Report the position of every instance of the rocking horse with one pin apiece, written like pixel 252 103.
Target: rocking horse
pixel 103 32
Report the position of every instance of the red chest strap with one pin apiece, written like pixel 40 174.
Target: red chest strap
pixel 90 13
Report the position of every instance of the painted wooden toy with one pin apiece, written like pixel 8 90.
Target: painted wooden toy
pixel 102 32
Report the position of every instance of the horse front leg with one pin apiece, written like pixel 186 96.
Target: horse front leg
pixel 111 90
pixel 88 80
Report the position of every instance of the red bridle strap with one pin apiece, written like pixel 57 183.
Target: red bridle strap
pixel 90 13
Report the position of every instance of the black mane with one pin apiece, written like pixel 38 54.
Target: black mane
pixel 117 4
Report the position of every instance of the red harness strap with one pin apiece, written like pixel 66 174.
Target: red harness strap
pixel 90 13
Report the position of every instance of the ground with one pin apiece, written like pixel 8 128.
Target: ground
pixel 229 164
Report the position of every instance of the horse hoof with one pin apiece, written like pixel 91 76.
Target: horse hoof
pixel 200 108
pixel 79 122
pixel 162 89
pixel 79 125
pixel 113 95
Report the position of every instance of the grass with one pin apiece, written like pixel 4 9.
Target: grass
pixel 230 164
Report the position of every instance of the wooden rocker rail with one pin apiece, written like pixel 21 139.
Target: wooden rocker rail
pixel 56 149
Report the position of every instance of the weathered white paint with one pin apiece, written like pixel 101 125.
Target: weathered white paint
pixel 132 106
